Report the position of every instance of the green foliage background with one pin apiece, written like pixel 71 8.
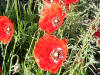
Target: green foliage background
pixel 77 28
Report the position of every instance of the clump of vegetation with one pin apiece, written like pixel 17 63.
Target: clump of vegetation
pixel 16 57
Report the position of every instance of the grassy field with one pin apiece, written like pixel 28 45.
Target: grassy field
pixel 84 53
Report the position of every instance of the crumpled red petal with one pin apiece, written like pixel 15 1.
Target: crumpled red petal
pixel 50 52
pixel 6 29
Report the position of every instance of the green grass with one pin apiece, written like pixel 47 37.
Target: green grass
pixel 27 32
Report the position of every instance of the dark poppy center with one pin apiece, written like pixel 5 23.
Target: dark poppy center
pixel 56 54
pixel 8 30
pixel 55 21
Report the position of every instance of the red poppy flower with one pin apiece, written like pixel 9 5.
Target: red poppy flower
pixel 97 34
pixel 51 17
pixel 61 1
pixel 6 29
pixel 66 3
pixel 50 52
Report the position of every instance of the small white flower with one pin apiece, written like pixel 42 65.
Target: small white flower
pixel 15 68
